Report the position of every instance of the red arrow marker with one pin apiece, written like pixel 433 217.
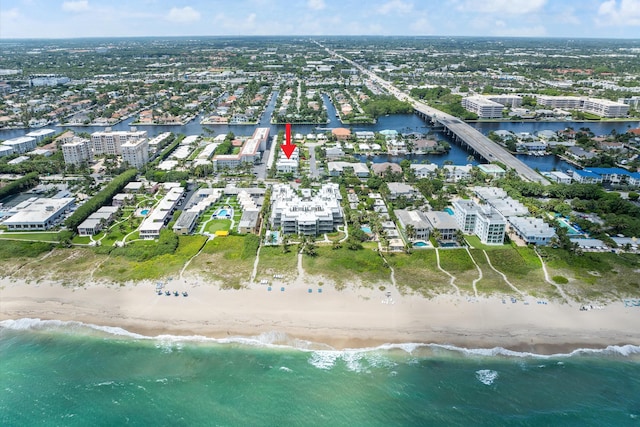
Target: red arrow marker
pixel 288 148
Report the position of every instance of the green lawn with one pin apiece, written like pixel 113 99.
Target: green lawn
pixel 475 243
pixel 346 267
pixel 20 249
pixel 419 272
pixel 219 224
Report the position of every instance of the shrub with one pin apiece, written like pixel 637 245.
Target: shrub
pixel 561 280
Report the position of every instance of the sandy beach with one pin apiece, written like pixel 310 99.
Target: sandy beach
pixel 352 318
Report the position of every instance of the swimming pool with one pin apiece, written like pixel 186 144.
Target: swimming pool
pixel 366 229
pixel 144 211
pixel 222 212
pixel 449 211
pixel 572 231
pixel 225 212
pixel 420 244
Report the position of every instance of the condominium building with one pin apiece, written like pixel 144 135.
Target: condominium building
pixel 532 230
pixel 513 101
pixel 605 108
pixel 484 222
pixel 250 152
pixel 110 142
pixel 21 144
pixel 483 107
pixel 632 102
pixel 308 213
pixel 77 151
pixel 562 102
pixel 136 153
pixel 38 213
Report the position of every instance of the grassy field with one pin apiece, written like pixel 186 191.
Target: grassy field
pixel 346 267
pixel 274 261
pixel 227 260
pixel 524 270
pixel 41 236
pixel 419 272
pixel 459 263
pixel 121 269
pixel 595 276
pixel 475 243
pixel 491 283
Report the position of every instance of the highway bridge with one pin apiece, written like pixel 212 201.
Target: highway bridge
pixel 469 137
pixel 460 131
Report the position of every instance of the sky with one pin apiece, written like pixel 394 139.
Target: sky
pixel 125 18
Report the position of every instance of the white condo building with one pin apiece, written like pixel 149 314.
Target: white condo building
pixel 483 107
pixel 21 144
pixel 486 223
pixel 110 142
pixel 309 214
pixel 77 151
pixel 605 108
pixel 136 153
pixel 250 152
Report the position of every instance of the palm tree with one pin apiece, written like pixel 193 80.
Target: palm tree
pixel 411 231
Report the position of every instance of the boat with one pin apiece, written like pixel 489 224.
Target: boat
pixel 167 293
pixel 176 293
pixel 185 294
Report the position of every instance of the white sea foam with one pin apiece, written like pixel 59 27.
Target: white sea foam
pixel 281 340
pixel 284 368
pixel 486 376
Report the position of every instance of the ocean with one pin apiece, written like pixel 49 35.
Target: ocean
pixel 68 373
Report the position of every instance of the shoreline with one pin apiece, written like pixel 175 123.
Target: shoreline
pixel 359 318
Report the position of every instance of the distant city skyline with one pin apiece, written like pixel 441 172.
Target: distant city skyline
pixel 125 18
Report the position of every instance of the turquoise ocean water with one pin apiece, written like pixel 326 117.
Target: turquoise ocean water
pixel 67 373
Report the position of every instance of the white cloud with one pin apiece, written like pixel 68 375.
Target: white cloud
pixel 626 13
pixel 511 7
pixel 11 14
pixel 398 6
pixel 75 6
pixel 316 4
pixel 182 15
pixel 422 26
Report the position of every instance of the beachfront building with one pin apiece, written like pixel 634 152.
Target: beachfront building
pixel 97 221
pixel 185 223
pixel 250 152
pixel 483 107
pixel 77 151
pixel 5 150
pixel 483 221
pixel 614 175
pixel 306 213
pixel 110 141
pixel 136 153
pixel 532 230
pixel 416 219
pixel 444 223
pixel 38 213
pixel 161 214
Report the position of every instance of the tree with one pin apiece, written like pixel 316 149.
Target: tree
pixel 411 231
pixel 633 196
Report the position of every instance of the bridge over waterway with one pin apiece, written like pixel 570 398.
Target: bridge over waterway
pixel 469 137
